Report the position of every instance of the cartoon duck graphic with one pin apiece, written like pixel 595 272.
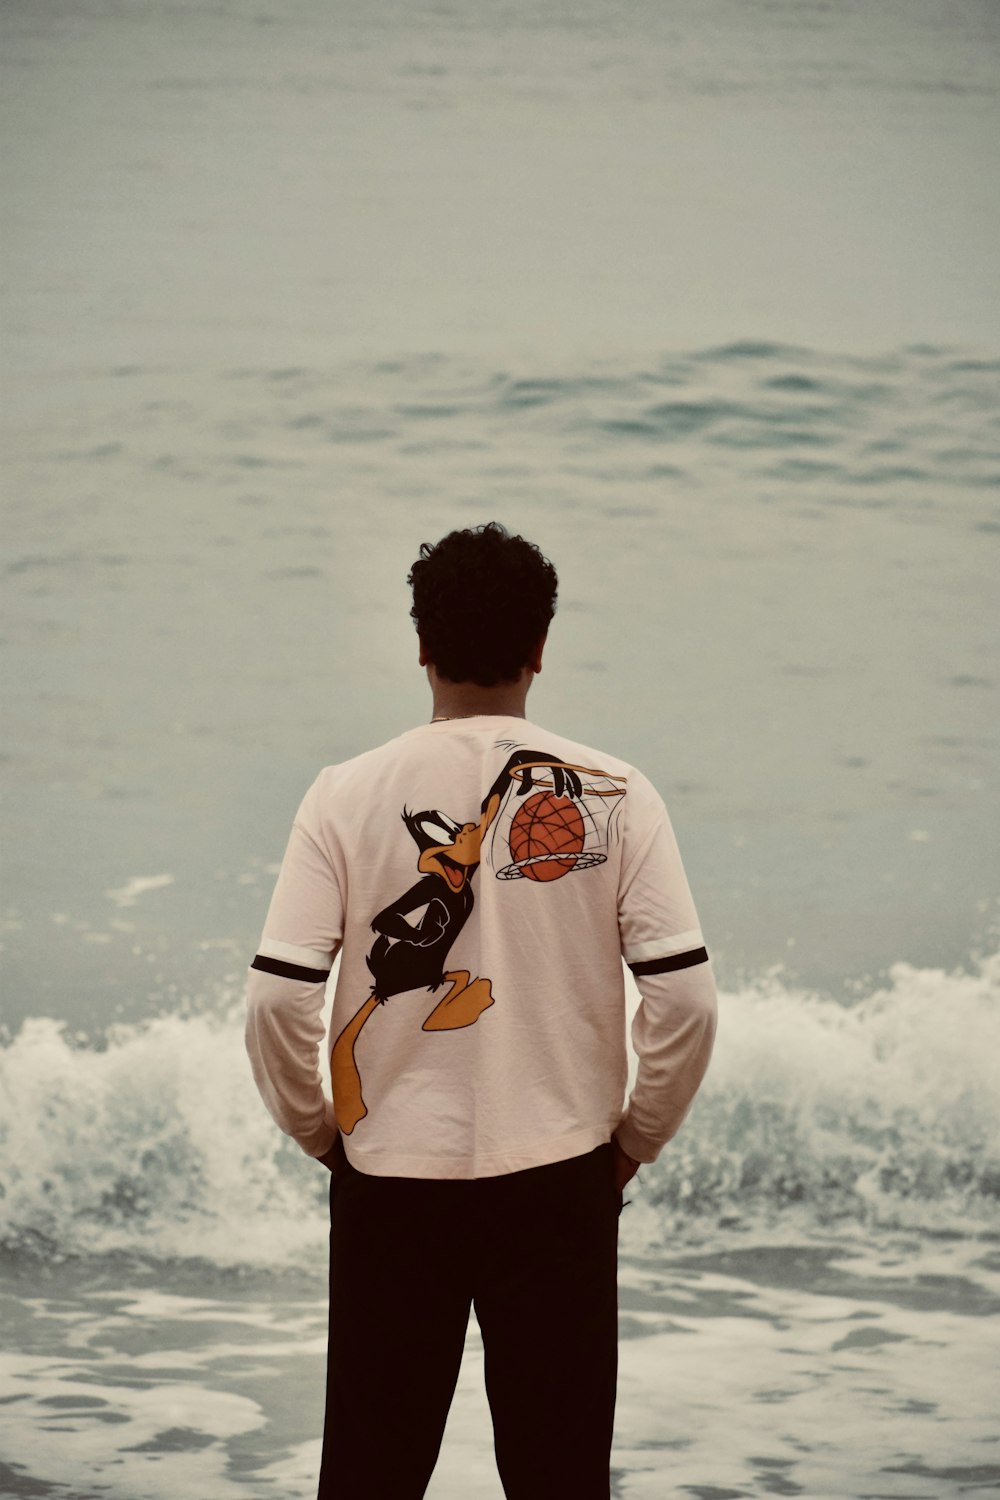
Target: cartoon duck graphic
pixel 410 956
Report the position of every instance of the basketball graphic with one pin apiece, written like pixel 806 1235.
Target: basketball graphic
pixel 545 826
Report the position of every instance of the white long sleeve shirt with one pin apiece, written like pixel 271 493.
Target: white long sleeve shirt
pixel 482 879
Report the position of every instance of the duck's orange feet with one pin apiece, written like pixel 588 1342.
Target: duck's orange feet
pixel 463 1004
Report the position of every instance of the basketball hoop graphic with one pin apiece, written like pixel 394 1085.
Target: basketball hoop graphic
pixel 549 834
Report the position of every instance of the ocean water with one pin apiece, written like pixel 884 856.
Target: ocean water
pixel 809 1276
pixel 704 299
pixel 239 182
pixel 815 1115
pixel 778 598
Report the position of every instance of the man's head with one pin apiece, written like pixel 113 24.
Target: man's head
pixel 482 603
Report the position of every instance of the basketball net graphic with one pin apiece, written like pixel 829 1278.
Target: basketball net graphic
pixel 540 836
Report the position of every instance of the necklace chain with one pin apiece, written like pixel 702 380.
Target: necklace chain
pixel 440 718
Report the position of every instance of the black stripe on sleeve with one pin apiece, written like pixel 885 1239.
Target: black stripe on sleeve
pixel 675 961
pixel 285 970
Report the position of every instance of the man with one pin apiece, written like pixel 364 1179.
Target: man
pixel 481 877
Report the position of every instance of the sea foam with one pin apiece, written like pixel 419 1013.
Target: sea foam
pixel 884 1111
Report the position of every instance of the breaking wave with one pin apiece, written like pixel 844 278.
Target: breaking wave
pixel 884 1111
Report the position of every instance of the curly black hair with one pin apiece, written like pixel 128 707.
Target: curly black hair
pixel 482 600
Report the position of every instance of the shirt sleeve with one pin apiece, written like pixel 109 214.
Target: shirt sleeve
pixel 287 981
pixel 674 1027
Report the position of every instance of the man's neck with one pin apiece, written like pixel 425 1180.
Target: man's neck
pixel 464 700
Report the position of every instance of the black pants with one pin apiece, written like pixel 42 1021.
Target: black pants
pixel 536 1254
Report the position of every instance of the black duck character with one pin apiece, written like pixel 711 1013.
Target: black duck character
pixel 409 956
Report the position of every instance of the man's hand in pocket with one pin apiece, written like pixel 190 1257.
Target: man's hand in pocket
pixel 335 1160
pixel 625 1167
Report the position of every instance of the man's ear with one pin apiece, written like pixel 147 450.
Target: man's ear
pixel 422 657
pixel 536 660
